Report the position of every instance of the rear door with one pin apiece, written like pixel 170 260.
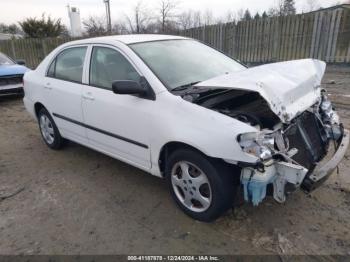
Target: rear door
pixel 115 123
pixel 63 90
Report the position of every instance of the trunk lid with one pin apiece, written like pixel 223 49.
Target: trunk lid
pixel 288 87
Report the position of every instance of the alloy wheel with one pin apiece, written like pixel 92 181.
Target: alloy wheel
pixel 191 186
pixel 47 130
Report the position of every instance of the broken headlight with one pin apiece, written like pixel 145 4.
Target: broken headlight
pixel 329 116
pixel 257 144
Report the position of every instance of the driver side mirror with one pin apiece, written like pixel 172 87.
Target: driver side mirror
pixel 128 87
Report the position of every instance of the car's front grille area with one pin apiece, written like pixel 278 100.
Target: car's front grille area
pixel 307 135
pixel 11 80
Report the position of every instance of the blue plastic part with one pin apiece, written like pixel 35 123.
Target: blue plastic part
pixel 255 191
pixel 12 70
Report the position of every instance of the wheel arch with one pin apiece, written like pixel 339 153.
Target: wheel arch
pixel 170 147
pixel 37 107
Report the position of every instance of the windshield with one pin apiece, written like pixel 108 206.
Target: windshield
pixel 4 60
pixel 183 62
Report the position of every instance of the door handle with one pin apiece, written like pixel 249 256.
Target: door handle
pixel 88 96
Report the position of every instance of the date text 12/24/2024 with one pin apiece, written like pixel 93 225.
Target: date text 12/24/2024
pixel 173 258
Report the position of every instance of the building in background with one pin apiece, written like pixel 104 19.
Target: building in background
pixel 75 22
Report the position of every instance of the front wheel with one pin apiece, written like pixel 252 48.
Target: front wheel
pixel 203 188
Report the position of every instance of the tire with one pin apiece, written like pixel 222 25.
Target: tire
pixel 49 130
pixel 210 196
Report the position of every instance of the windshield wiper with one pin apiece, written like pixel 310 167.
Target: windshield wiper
pixel 186 86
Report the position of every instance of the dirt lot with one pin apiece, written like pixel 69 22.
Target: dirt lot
pixel 77 201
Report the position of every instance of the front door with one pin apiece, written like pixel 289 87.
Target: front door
pixel 114 123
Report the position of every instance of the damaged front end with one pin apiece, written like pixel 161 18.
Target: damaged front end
pixel 299 140
pixel 292 156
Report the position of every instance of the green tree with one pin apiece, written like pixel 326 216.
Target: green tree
pixel 264 15
pixel 247 16
pixel 44 27
pixel 289 7
pixel 283 8
pixel 9 29
pixel 257 16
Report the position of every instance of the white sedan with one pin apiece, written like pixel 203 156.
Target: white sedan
pixel 181 110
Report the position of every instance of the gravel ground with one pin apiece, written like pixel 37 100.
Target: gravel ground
pixel 77 201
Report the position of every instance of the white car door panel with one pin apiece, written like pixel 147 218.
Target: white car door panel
pixel 69 112
pixel 114 122
pixel 63 84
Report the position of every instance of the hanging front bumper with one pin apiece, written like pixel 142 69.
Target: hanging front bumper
pixel 320 174
pixel 279 174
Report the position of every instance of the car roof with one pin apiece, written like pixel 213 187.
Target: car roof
pixel 128 39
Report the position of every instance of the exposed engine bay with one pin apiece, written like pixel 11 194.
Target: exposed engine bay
pixel 245 106
pixel 288 153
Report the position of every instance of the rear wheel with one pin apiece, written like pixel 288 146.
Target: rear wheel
pixel 49 130
pixel 203 188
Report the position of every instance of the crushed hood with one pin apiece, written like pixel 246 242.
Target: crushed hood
pixel 288 87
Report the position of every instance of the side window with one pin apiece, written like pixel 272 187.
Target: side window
pixel 108 65
pixel 51 71
pixel 68 65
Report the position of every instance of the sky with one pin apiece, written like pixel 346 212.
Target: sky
pixel 12 11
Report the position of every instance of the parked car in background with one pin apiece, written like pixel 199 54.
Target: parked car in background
pixel 11 75
pixel 181 110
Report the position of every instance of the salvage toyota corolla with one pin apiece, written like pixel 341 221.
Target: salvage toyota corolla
pixel 181 110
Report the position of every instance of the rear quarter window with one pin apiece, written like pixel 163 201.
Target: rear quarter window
pixel 68 65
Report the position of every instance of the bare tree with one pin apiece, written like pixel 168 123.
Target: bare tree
pixel 208 17
pixel 167 13
pixel 152 27
pixel 140 18
pixel 186 20
pixel 197 19
pixel 95 26
pixel 120 28
pixel 230 17
pixel 276 10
